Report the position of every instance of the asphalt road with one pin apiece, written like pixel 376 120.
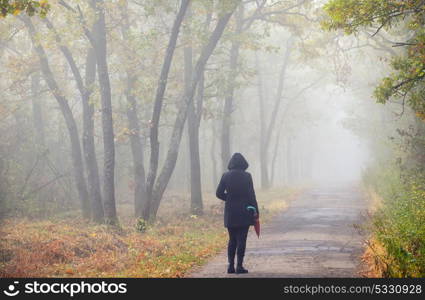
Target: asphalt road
pixel 314 237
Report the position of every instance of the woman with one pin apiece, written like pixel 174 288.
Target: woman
pixel 237 190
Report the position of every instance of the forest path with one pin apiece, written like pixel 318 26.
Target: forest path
pixel 314 237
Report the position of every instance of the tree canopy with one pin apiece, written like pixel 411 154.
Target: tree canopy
pixel 405 20
pixel 30 7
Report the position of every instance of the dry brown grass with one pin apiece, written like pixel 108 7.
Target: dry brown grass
pixel 373 256
pixel 72 247
pixel 373 259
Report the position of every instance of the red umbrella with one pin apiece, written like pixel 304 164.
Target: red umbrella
pixel 257 226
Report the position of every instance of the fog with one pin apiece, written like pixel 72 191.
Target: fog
pixel 150 99
pixel 338 155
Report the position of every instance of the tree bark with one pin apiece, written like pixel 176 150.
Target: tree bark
pixel 100 46
pixel 98 214
pixel 3 183
pixel 154 122
pixel 40 139
pixel 289 162
pixel 69 119
pixel 212 154
pixel 176 135
pixel 274 158
pixel 136 145
pixel 38 119
pixel 85 89
pixel 263 150
pixel 196 205
pixel 267 130
pixel 230 89
pixel 278 98
pixel 136 150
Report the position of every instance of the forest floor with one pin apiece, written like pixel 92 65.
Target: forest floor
pixel 316 236
pixel 67 246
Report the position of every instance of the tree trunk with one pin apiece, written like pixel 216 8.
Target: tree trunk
pixel 40 139
pixel 195 161
pixel 107 121
pixel 267 130
pixel 136 145
pixel 89 150
pixel 274 158
pixel 69 119
pixel 162 84
pixel 196 205
pixel 39 130
pixel 289 163
pixel 212 154
pixel 263 150
pixel 3 184
pixel 98 214
pixel 173 149
pixel 230 89
pixel 136 151
pixel 278 98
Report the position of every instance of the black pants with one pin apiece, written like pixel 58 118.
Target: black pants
pixel 237 242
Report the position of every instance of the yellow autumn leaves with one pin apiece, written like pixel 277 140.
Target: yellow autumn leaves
pixel 31 7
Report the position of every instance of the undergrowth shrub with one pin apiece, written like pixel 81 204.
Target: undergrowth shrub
pixel 398 225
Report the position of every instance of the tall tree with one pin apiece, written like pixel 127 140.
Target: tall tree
pixel 266 129
pixel 156 114
pixel 172 154
pixel 274 13
pixel 99 44
pixel 262 106
pixel 68 116
pixel 193 121
pixel 230 90
pixel 90 156
pixel 39 133
pixel 85 89
pixel 406 81
pixel 98 40
pixel 137 148
pixel 39 128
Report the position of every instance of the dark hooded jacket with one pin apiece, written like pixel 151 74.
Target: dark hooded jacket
pixel 237 190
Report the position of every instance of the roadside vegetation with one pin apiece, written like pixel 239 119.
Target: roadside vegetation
pixel 395 180
pixel 72 247
pixel 397 245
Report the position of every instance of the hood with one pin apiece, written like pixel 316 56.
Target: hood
pixel 237 162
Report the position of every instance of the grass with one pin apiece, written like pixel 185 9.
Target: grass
pixel 396 247
pixel 68 246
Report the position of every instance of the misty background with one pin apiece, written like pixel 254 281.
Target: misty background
pixel 79 89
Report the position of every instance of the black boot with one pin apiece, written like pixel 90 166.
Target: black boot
pixel 231 268
pixel 239 268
